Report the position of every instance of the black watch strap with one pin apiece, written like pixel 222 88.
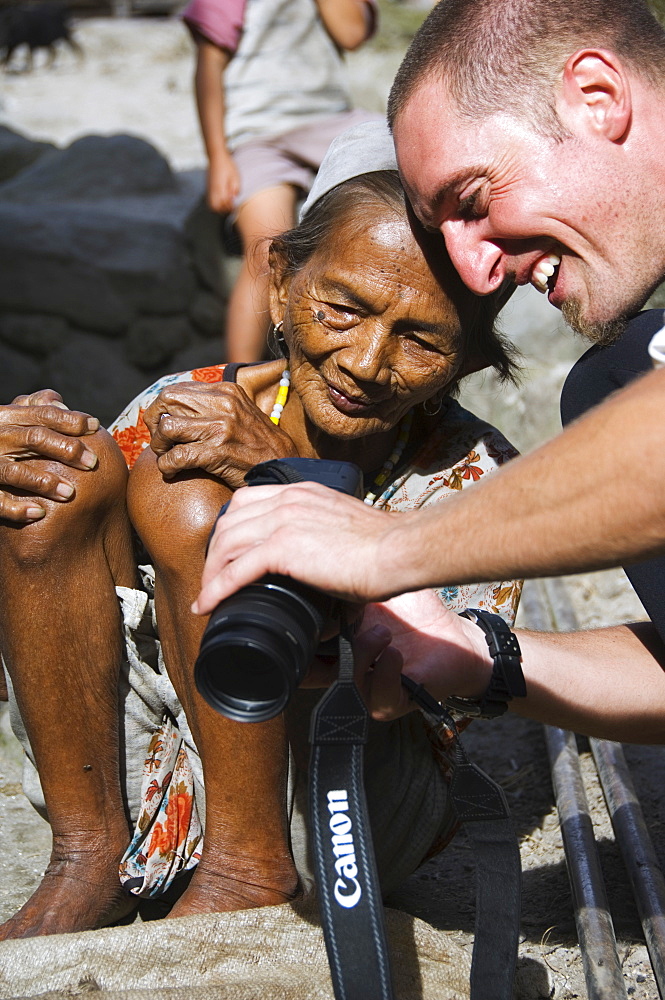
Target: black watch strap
pixel 507 680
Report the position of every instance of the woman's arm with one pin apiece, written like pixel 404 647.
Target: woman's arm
pixel 223 179
pixel 348 22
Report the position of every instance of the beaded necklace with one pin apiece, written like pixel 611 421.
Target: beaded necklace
pixel 389 464
pixel 280 398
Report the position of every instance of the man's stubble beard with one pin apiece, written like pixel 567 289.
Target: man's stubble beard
pixel 603 332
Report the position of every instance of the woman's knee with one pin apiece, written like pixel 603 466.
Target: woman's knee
pixel 66 525
pixel 173 518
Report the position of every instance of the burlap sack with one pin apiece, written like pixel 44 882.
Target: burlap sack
pixel 273 953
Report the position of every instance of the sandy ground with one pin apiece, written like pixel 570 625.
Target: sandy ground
pixel 136 77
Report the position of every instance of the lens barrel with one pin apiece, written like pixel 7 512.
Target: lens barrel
pixel 259 642
pixel 257 647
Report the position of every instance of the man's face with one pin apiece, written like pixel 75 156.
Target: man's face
pixel 566 217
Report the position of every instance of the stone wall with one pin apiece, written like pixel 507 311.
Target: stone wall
pixel 111 270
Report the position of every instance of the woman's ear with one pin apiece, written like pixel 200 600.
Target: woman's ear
pixel 280 283
pixel 595 94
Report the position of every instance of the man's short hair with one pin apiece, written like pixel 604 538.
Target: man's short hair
pixel 506 55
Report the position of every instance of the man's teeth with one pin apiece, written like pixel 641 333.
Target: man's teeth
pixel 543 270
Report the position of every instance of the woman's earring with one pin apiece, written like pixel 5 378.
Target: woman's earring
pixel 433 405
pixel 278 334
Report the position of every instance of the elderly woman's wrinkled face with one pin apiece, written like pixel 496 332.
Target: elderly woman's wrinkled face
pixel 370 329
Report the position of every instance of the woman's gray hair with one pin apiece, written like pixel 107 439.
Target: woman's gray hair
pixel 360 172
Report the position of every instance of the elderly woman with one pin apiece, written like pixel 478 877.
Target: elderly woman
pixel 376 331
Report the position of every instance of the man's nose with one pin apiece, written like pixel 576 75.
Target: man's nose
pixel 478 261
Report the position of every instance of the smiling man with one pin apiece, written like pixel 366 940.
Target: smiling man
pixel 532 134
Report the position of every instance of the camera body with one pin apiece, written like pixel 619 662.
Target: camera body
pixel 258 643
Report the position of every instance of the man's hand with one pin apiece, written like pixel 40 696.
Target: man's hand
pixel 328 540
pixel 417 635
pixel 216 428
pixel 429 643
pixel 38 427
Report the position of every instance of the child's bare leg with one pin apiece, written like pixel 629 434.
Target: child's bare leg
pixel 61 637
pixel 259 219
pixel 246 857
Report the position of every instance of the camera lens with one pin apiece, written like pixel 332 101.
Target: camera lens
pixel 256 649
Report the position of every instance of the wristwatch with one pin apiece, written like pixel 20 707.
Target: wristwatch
pixel 507 680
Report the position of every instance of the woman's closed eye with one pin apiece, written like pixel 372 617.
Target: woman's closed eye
pixel 420 341
pixel 425 340
pixel 338 315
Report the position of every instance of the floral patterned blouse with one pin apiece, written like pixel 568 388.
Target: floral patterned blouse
pixel 458 453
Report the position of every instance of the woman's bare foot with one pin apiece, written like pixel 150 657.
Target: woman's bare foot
pixel 213 892
pixel 77 893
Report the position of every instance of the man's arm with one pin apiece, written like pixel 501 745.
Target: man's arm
pixel 606 682
pixel 348 22
pixel 223 179
pixel 590 498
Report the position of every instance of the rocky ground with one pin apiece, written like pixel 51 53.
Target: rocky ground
pixel 136 77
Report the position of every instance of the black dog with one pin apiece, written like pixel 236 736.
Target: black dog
pixel 38 26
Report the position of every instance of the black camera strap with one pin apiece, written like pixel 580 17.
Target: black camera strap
pixel 481 806
pixel 347 880
pixel 350 897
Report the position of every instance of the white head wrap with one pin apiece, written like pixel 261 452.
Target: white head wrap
pixel 363 149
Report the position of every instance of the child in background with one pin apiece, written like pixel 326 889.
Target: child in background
pixel 271 96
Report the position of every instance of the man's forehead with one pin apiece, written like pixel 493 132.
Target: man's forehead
pixel 435 157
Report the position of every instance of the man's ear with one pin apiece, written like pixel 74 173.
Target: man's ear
pixel 595 94
pixel 280 283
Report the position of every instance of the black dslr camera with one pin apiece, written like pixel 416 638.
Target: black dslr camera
pixel 259 642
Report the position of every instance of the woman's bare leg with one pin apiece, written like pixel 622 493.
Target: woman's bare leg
pixel 259 219
pixel 61 637
pixel 246 858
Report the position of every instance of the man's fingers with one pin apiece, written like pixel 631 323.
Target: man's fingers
pixel 259 494
pixel 381 682
pixel 368 646
pixel 242 571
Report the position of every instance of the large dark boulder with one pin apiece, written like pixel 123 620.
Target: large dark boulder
pixel 110 273
pixel 91 374
pixel 93 168
pixel 17 152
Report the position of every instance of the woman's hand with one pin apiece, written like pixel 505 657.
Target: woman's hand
pixel 431 644
pixel 33 428
pixel 217 428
